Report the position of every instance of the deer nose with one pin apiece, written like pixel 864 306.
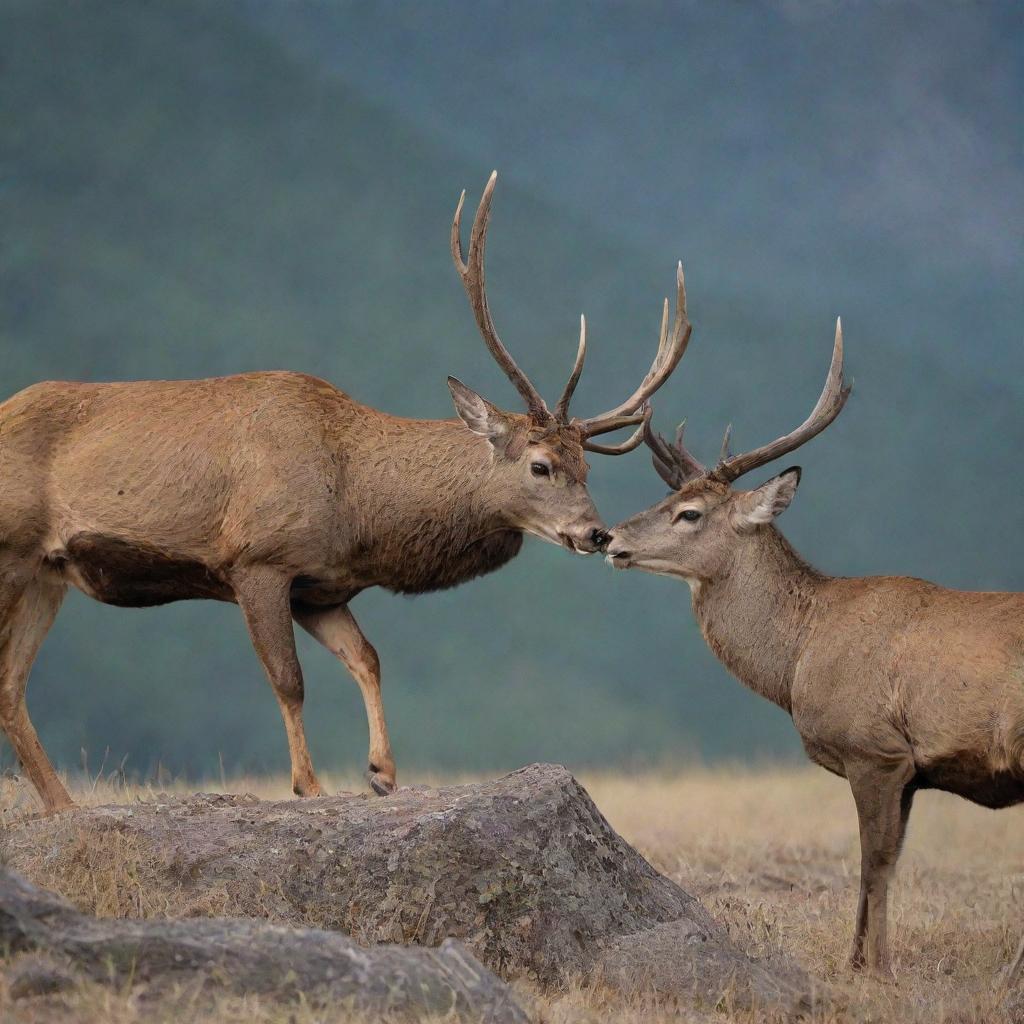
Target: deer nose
pixel 584 540
pixel 616 552
pixel 599 537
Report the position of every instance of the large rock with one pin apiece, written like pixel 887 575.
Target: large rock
pixel 524 870
pixel 244 956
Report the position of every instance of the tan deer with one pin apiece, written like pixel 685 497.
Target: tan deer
pixel 893 683
pixel 279 492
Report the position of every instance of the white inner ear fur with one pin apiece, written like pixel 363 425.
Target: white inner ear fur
pixel 768 501
pixel 479 415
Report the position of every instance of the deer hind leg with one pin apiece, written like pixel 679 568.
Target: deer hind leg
pixel 263 597
pixel 1011 974
pixel 339 632
pixel 26 614
pixel 884 793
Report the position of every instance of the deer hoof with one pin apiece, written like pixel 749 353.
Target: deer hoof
pixel 379 782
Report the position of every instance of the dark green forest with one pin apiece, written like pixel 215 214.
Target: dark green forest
pixel 196 188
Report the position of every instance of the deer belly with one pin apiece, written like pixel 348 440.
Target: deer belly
pixel 971 775
pixel 412 572
pixel 988 769
pixel 968 737
pixel 133 575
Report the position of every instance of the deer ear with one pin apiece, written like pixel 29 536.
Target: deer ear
pixel 478 414
pixel 769 500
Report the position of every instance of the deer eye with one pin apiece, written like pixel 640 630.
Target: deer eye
pixel 540 469
pixel 691 515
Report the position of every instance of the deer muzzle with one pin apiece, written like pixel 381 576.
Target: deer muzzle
pixel 584 541
pixel 617 552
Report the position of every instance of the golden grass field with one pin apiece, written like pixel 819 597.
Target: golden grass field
pixel 773 854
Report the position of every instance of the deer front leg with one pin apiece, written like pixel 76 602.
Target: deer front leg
pixel 338 631
pixel 883 792
pixel 25 618
pixel 263 596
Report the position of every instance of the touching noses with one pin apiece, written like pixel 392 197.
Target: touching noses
pixel 616 550
pixel 584 539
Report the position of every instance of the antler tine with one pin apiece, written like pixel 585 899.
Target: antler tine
pixel 471 271
pixel 633 441
pixel 726 438
pixel 674 464
pixel 830 403
pixel 670 350
pixel 616 423
pixel 562 408
pixel 662 339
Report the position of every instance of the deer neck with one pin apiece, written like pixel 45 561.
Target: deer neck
pixel 757 615
pixel 453 486
pixel 429 514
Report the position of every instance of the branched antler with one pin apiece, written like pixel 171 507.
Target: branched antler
pixel 829 405
pixel 675 465
pixel 634 411
pixel 670 350
pixel 471 271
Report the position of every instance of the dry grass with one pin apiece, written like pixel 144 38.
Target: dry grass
pixel 773 854
pixel 98 1004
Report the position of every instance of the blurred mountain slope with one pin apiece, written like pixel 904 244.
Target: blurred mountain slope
pixel 186 190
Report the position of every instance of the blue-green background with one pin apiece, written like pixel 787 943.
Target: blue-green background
pixel 192 188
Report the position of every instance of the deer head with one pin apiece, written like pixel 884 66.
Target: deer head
pixel 697 532
pixel 539 465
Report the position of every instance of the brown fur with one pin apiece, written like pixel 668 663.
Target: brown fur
pixel 273 490
pixel 894 683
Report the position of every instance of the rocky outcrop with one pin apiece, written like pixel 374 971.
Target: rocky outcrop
pixel 524 870
pixel 239 955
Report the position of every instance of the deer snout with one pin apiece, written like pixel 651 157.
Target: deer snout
pixel 585 540
pixel 617 552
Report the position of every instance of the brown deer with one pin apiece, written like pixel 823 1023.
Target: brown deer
pixel 893 683
pixel 281 493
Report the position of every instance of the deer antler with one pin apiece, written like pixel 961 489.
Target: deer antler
pixel 634 412
pixel 562 408
pixel 675 465
pixel 472 273
pixel 829 405
pixel 633 441
pixel 670 350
